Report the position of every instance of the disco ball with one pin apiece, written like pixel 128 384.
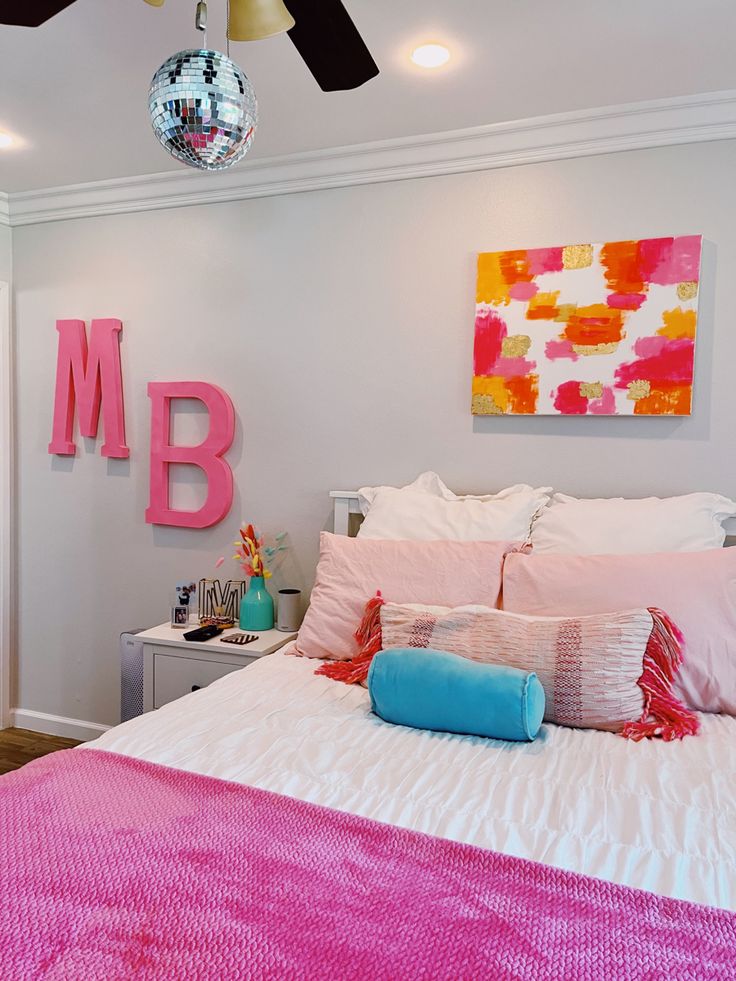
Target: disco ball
pixel 203 109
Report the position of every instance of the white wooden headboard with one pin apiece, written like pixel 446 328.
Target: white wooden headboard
pixel 344 503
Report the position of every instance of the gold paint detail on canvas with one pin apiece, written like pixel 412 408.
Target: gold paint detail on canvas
pixel 515 346
pixel 486 405
pixel 577 256
pixel 564 312
pixel 639 389
pixel 590 349
pixel 591 390
pixel 687 291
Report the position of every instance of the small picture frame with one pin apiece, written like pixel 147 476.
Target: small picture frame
pixel 186 593
pixel 179 617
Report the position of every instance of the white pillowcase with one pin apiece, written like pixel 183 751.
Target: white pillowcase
pixel 429 482
pixel 427 510
pixel 620 526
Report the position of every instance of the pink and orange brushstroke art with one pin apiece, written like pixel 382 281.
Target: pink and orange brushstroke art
pixel 587 329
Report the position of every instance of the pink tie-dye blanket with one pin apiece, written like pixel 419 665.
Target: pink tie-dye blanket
pixel 114 868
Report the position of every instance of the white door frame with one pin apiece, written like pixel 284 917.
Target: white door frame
pixel 7 537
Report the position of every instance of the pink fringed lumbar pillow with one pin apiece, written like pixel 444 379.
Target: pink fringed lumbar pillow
pixel 448 572
pixel 698 590
pixel 611 671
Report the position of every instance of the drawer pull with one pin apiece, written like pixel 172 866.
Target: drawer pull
pixel 196 687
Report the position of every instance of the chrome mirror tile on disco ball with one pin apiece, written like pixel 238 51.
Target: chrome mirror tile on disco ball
pixel 203 109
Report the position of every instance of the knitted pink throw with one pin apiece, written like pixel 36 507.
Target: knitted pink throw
pixel 112 868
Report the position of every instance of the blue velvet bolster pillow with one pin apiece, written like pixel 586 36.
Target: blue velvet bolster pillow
pixel 428 689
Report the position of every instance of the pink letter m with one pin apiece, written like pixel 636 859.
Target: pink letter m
pixel 89 377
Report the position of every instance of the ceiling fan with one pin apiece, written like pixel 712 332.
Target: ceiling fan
pixel 321 31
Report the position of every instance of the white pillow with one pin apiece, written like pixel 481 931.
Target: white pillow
pixel 620 526
pixel 428 511
pixel 432 483
pixel 429 482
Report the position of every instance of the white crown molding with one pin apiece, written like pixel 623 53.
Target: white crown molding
pixel 642 125
pixel 4 209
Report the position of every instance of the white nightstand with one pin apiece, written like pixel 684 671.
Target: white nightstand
pixel 173 667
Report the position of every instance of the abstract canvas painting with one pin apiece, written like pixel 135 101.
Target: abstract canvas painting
pixel 605 329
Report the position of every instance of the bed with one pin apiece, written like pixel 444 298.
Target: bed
pixel 657 816
pixel 602 817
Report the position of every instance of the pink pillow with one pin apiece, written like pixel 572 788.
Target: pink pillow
pixel 441 573
pixel 610 671
pixel 697 589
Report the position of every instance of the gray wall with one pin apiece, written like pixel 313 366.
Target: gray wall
pixel 340 322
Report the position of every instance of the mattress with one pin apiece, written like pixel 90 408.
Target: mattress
pixel 653 815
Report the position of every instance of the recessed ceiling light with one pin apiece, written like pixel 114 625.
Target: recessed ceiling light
pixel 430 55
pixel 5 140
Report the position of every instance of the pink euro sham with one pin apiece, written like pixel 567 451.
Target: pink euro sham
pixel 441 573
pixel 696 589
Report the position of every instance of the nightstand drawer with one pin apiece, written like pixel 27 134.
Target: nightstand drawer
pixel 172 666
pixel 176 676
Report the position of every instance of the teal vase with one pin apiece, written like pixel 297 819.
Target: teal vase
pixel 256 607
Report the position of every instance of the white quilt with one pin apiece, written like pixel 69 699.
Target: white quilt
pixel 658 816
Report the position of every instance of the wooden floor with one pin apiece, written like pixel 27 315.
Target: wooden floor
pixel 20 746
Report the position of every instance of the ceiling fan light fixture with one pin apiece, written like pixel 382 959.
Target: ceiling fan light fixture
pixel 253 20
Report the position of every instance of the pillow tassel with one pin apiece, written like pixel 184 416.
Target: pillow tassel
pixel 664 715
pixel 368 636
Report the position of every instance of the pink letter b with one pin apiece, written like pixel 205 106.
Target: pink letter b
pixel 207 456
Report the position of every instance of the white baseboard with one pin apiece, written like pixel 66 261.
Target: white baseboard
pixel 56 725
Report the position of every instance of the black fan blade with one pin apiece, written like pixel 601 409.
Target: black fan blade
pixel 30 13
pixel 329 42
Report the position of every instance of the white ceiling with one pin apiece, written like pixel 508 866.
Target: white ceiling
pixel 74 91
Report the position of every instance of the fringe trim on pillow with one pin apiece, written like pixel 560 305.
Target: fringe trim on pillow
pixel 664 715
pixel 368 636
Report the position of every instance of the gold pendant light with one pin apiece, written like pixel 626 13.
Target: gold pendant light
pixel 252 20
pixel 155 3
